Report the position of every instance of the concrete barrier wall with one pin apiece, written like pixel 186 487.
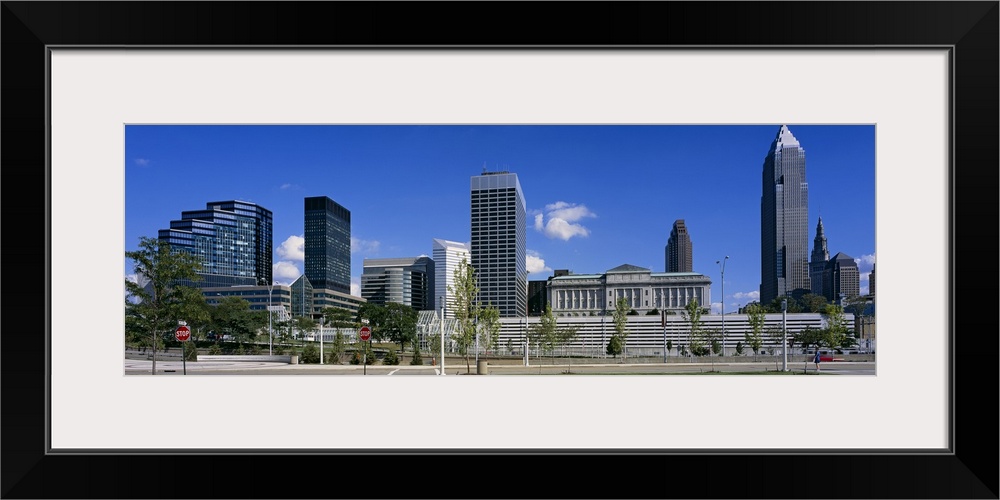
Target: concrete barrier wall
pixel 249 357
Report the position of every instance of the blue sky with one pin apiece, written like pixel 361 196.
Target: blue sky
pixel 598 196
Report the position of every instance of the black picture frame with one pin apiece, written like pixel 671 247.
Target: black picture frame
pixel 969 28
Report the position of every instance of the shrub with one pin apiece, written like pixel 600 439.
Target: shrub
pixel 215 350
pixel 391 358
pixel 190 351
pixel 310 354
pixel 356 358
pixel 614 346
pixel 417 360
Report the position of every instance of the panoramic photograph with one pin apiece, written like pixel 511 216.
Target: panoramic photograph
pixel 485 250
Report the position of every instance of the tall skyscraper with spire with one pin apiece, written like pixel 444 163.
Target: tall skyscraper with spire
pixel 678 251
pixel 820 255
pixel 498 246
pixel 784 220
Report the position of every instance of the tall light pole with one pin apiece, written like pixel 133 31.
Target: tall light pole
pixel 322 319
pixel 270 331
pixel 784 335
pixel 723 262
pixel 442 335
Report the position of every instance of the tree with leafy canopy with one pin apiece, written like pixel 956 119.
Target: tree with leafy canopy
pixel 547 333
pixel 489 328
pixel 154 307
pixel 812 302
pixel 614 346
pixel 465 291
pixel 304 325
pixel 620 319
pixel 809 337
pixel 835 335
pixel 692 314
pixel 755 336
pixel 377 316
pixel 400 324
pixel 233 317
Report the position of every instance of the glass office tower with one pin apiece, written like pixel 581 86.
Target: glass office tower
pixel 232 239
pixel 406 280
pixel 499 251
pixel 784 220
pixel 327 244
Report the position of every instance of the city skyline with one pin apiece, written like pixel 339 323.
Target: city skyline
pixel 597 196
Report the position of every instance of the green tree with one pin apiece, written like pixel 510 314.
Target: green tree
pixel 755 337
pixel 692 314
pixel 310 354
pixel 812 302
pixel 154 307
pixel 670 345
pixel 614 345
pixel 465 290
pixel 336 354
pixel 304 325
pixel 793 305
pixel 417 359
pixel 377 316
pixel 190 350
pixel 810 337
pixel 739 348
pixel 620 320
pixel 232 316
pixel 547 333
pixel 195 311
pixel 835 335
pixel 489 328
pixel 400 324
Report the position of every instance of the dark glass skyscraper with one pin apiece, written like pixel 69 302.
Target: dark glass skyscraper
pixel 327 244
pixel 499 247
pixel 784 220
pixel 232 239
pixel 678 251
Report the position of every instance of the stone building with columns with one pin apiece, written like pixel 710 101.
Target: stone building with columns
pixel 596 294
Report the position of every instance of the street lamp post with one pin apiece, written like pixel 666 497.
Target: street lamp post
pixel 442 335
pixel 322 319
pixel 784 335
pixel 723 284
pixel 270 330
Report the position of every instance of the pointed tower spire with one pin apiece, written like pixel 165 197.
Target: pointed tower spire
pixel 818 260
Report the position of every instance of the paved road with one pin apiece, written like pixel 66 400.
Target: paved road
pixel 142 367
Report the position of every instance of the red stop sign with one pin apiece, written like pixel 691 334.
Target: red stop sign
pixel 366 333
pixel 182 333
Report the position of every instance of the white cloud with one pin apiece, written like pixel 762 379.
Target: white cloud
pixel 563 220
pixel 142 162
pixel 289 185
pixel 356 286
pixel 749 296
pixel 865 263
pixel 285 272
pixel 293 248
pixel 359 245
pixel 716 307
pixel 536 264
